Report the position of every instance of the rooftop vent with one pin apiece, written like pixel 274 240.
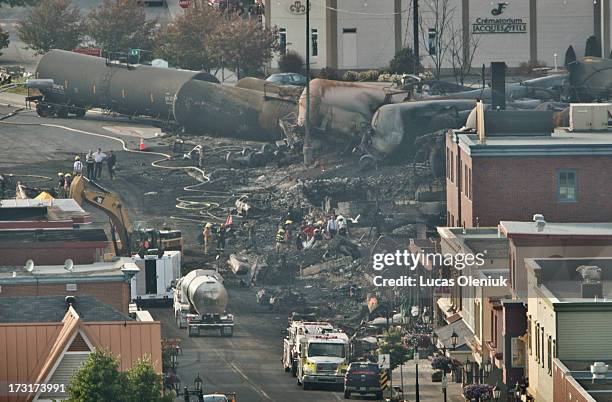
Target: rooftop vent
pixel 539 221
pixel 599 370
pixel 591 287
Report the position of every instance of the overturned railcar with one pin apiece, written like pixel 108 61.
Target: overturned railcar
pixel 83 82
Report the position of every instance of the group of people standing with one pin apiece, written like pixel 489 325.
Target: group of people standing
pixel 309 232
pixel 94 162
pixel 92 169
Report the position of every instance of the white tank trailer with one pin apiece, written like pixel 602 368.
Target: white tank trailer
pixel 200 302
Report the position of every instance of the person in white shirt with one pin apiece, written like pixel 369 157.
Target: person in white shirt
pixel 99 157
pixel 77 168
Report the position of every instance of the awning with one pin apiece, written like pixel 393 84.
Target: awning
pixel 461 329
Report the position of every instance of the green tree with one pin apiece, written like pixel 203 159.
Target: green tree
pixel 570 56
pixel 145 383
pixel 392 344
pixel 404 62
pixel 118 25
pixel 53 24
pixel 184 42
pixel 18 3
pixel 592 47
pixel 99 379
pixel 243 45
pixel 291 62
pixel 4 39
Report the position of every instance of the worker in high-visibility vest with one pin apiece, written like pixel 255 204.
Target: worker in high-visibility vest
pixel 280 239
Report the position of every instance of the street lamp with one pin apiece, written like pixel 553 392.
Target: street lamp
pixel 454 339
pixel 444 386
pixel 197 383
pixel 416 379
pixel 488 367
pixel 496 392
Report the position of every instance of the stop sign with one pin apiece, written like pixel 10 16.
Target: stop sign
pixel 184 3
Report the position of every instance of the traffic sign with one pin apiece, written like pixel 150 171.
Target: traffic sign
pixel 135 52
pixel 184 3
pixel 384 361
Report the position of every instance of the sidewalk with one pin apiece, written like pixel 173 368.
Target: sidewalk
pixel 428 391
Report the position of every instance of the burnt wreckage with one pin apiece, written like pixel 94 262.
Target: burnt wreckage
pixel 384 122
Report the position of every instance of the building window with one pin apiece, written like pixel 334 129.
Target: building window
pixel 529 337
pixel 431 40
pixel 537 342
pixel 542 346
pixel 452 167
pixel 549 357
pixel 448 163
pixel 469 183
pixel 566 186
pixel 282 40
pixel 465 181
pixel 314 37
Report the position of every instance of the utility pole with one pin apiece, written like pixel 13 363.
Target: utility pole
pixel 307 149
pixel 415 34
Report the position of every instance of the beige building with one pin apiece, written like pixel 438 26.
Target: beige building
pixel 44 341
pixel 570 318
pixel 363 34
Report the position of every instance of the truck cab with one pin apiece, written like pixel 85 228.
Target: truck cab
pixel 323 359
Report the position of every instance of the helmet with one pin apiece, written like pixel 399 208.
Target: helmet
pixel 67 175
pixel 288 222
pixel 60 174
pixel 208 225
pixel 281 230
pixel 77 158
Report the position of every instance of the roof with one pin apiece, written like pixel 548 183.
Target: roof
pixel 52 235
pixel 461 329
pixel 560 142
pixel 33 309
pixel 510 228
pixel 478 240
pixel 47 210
pixel 559 280
pixel 58 274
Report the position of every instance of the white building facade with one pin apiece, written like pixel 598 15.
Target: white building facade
pixel 365 34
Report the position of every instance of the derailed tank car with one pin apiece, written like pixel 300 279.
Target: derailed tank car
pixel 83 82
pixel 229 111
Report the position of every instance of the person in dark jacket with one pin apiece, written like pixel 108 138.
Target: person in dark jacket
pixel 111 160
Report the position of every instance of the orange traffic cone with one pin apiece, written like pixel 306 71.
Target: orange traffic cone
pixel 142 145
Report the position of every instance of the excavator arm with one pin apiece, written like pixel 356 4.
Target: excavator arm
pixel 84 191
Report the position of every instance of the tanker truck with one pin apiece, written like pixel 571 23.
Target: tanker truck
pixel 200 302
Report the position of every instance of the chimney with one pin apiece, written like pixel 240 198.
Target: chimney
pixel 592 287
pixel 498 85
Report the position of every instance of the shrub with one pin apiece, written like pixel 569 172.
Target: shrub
pixel 370 75
pixel 592 47
pixel 570 56
pixel 291 62
pixel 350 76
pixel 526 67
pixel 329 73
pixel 404 62
pixel 482 392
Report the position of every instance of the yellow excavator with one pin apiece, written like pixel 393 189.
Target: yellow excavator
pixel 130 242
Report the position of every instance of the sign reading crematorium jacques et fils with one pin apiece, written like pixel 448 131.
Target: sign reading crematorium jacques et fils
pixel 498 23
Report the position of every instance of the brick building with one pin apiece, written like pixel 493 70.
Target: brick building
pixel 517 165
pixel 106 281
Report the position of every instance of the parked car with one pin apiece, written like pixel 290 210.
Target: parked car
pixel 362 378
pixel 288 79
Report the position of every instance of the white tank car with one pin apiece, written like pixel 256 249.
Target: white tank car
pixel 200 303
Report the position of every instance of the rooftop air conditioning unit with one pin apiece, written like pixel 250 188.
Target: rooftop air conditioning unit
pixel 589 116
pixel 599 370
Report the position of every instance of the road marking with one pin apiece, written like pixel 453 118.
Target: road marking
pixel 247 379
